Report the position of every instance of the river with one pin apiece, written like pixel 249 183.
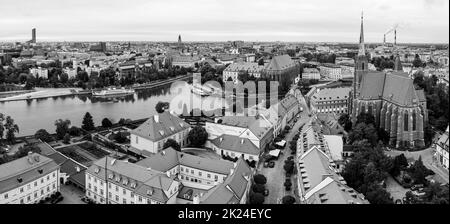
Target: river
pixel 32 115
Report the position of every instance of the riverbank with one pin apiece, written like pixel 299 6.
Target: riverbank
pixel 42 93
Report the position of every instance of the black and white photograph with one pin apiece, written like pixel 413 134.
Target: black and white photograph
pixel 258 103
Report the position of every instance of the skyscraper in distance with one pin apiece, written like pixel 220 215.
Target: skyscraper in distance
pixel 33 35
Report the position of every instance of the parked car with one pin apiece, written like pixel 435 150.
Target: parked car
pixel 417 187
pixel 266 164
pixel 266 192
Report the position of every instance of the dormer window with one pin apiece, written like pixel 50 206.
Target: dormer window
pixel 118 179
pixel 161 132
pixel 97 170
pixel 125 182
pixel 172 128
pixel 110 176
pixel 133 185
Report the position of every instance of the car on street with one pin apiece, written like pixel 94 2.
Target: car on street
pixel 266 192
pixel 416 187
pixel 266 164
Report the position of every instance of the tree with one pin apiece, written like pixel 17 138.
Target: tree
pixel 161 107
pixel 2 127
pixel 344 121
pixel 256 198
pixel 11 128
pixel 43 135
pixel 400 163
pixel 88 122
pixel 62 127
pixel 288 200
pixel 198 136
pixel 289 166
pixel 66 139
pixel 261 61
pixel 259 188
pixel 260 179
pixel 419 172
pixel 75 131
pixel 106 123
pixel 417 61
pixel 377 195
pixel 172 143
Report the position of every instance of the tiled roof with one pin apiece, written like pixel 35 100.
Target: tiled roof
pixel 332 94
pixel 379 85
pixel 161 126
pixel 245 66
pixel 280 62
pixel 26 169
pixel 233 189
pixel 236 144
pixel 169 158
pixel 145 180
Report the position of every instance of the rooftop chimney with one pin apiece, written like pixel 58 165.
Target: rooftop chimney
pixel 156 118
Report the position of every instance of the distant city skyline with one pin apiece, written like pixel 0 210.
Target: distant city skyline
pixel 419 21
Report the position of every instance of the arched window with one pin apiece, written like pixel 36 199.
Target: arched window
pixel 405 121
pixel 414 121
pixel 370 109
pixel 363 109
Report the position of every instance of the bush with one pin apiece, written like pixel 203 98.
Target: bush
pixel 256 198
pixel 260 179
pixel 75 131
pixel 43 135
pixel 258 188
pixel 288 200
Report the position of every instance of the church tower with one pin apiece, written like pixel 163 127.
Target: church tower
pixel 361 62
pixel 398 64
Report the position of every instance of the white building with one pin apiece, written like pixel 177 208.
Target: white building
pixel 330 71
pixel 28 180
pixel 120 182
pixel 71 72
pixel 39 72
pixel 152 134
pixel 441 150
pixel 236 147
pixel 233 70
pixel 311 73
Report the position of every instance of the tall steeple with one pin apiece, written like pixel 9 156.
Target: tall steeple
pixel 362 47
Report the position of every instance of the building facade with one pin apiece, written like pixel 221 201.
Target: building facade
pixel 330 100
pixel 401 112
pixel 28 180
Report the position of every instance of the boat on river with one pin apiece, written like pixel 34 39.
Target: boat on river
pixel 113 92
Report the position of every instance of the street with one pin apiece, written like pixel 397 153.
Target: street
pixel 276 176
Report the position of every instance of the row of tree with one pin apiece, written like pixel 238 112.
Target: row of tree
pixel 8 128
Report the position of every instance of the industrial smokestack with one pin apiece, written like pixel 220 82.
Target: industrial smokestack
pixel 384 40
pixel 395 34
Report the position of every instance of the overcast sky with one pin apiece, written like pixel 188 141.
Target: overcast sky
pixel 420 21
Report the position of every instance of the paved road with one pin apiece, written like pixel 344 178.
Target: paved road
pixel 276 176
pixel 71 194
pixel 442 175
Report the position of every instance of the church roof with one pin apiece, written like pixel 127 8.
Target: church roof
pixel 394 87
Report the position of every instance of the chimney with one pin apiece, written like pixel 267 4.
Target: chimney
pixel 242 141
pixel 78 169
pixel 156 118
pixel 220 139
pixel 395 40
pixel 30 158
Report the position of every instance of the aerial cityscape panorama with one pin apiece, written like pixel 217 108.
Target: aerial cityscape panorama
pixel 224 102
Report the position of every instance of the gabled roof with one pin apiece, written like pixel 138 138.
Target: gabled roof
pixel 280 62
pixel 25 169
pixel 395 87
pixel 236 144
pixel 169 158
pixel 160 126
pixel 233 189
pixel 145 180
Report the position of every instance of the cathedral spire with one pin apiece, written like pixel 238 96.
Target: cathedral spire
pixel 362 48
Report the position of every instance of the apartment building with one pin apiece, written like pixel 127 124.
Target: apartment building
pixel 311 73
pixel 152 134
pixel 39 72
pixel 441 150
pixel 119 182
pixel 234 70
pixel 28 180
pixel 330 71
pixel 330 100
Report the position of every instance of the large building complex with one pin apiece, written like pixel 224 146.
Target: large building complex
pixel 331 100
pixel 392 99
pixel 28 180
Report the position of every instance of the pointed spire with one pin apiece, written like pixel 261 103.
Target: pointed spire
pixel 362 48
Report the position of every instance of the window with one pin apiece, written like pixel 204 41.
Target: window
pixel 137 140
pixel 28 186
pixel 192 171
pixel 101 192
pixel 21 190
pixel 110 195
pixel 182 169
pixel 199 173
pixel 117 198
pixel 117 188
pixel 54 174
pixel 124 192
pixel 48 177
pixel 216 177
pixel 187 170
pixel 405 119
pixel 208 175
pixel 6 196
pixel 21 201
pixel 42 180
pixel 124 201
pixel 140 199
pixel 132 194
